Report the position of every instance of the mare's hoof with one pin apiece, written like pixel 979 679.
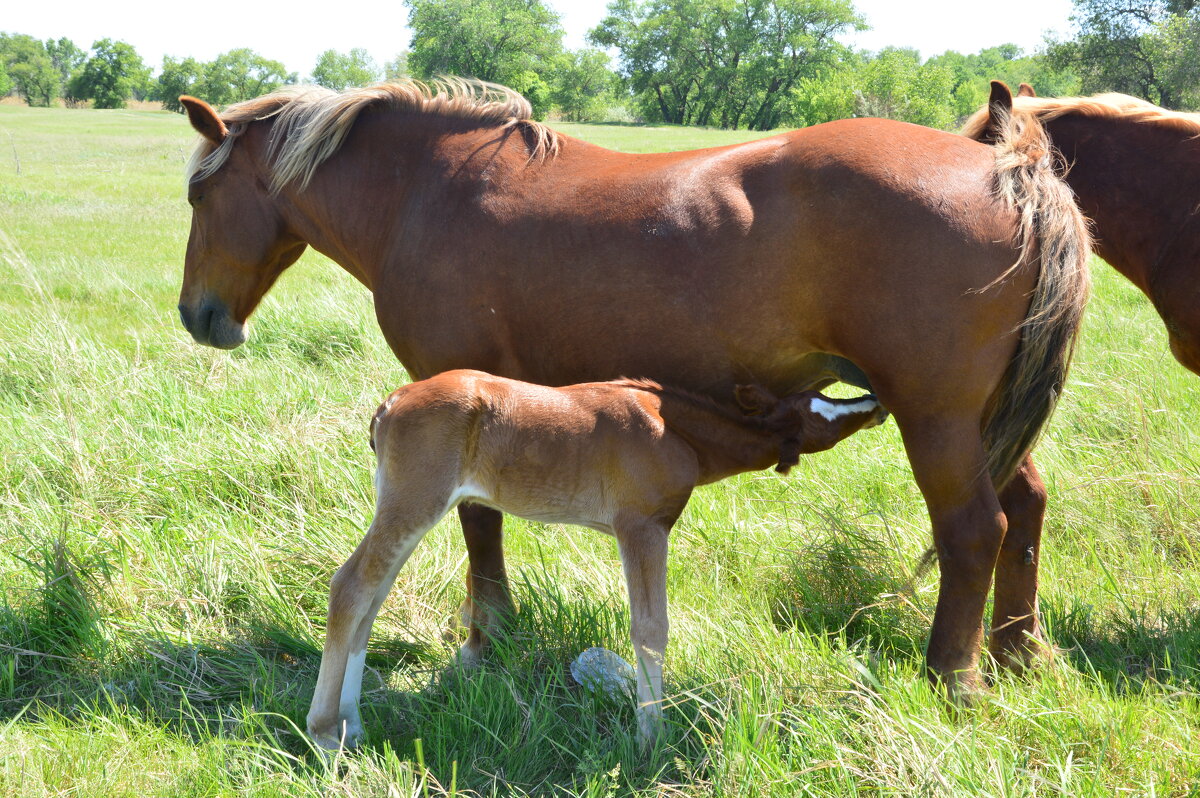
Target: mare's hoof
pixel 963 688
pixel 1024 653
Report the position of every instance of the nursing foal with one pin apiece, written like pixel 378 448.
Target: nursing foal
pixel 621 457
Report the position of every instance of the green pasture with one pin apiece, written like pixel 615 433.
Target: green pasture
pixel 170 517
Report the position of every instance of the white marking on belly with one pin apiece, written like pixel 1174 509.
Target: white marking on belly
pixel 831 412
pixel 466 492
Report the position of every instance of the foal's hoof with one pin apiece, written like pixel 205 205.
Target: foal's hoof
pixel 330 742
pixel 469 656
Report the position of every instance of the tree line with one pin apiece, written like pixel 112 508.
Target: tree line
pixel 757 64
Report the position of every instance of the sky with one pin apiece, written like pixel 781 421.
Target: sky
pixel 298 31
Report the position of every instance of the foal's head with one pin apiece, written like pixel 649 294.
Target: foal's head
pixel 809 421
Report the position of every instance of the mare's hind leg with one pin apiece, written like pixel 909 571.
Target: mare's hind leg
pixel 950 467
pixel 643 545
pixel 488 597
pixel 1017 639
pixel 356 593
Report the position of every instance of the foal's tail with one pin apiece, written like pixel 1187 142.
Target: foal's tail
pixel 1052 226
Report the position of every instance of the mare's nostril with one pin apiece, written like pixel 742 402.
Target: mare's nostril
pixel 183 317
pixel 205 320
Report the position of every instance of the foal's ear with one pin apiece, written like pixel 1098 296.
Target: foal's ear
pixel 204 119
pixel 755 400
pixel 1025 90
pixel 789 454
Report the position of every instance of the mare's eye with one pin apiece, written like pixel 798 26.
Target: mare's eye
pixel 194 201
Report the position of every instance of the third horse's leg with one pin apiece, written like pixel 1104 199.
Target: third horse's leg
pixel 488 595
pixel 1017 639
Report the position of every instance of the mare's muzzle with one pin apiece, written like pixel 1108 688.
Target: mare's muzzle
pixel 212 325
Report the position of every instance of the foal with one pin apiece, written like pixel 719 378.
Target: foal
pixel 620 457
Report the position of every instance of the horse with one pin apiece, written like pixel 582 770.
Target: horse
pixel 620 457
pixel 1135 169
pixel 946 276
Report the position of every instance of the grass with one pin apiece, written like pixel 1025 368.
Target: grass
pixel 170 517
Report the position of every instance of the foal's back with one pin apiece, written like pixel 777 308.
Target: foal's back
pixel 578 454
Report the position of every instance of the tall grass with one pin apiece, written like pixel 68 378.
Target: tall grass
pixel 170 517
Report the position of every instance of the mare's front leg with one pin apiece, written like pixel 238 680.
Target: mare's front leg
pixel 950 467
pixel 356 593
pixel 489 599
pixel 1017 639
pixel 643 546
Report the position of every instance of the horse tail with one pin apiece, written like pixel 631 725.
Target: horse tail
pixel 1051 224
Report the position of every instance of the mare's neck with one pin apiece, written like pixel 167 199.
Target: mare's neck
pixel 1132 181
pixel 376 191
pixel 725 442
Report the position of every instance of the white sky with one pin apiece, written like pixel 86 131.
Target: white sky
pixel 297 31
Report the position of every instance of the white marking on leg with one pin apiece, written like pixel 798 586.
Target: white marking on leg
pixel 351 689
pixel 832 412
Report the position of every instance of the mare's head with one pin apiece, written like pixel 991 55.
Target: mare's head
pixel 809 421
pixel 239 243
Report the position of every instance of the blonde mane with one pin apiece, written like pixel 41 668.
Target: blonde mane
pixel 311 123
pixel 1110 106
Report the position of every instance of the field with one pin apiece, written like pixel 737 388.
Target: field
pixel 170 517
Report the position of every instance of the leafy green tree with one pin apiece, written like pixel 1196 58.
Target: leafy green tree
pixel 896 85
pixel 397 68
pixel 178 77
pixel 242 74
pixel 110 77
pixel 30 68
pixel 513 42
pixel 338 71
pixel 582 84
pixel 732 63
pixel 5 81
pixel 974 73
pixel 1148 48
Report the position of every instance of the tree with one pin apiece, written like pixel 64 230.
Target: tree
pixel 582 85
pixel 66 58
pixel 5 81
pixel 973 73
pixel 338 71
pixel 514 42
pixel 176 78
pixel 1142 47
pixel 110 76
pixel 731 63
pixel 397 68
pixel 242 74
pixel 30 68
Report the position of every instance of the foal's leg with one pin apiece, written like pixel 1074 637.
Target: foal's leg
pixel 356 593
pixel 643 546
pixel 488 595
pixel 1017 639
pixel 950 467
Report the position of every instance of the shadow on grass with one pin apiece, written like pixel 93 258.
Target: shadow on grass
pixel 1130 648
pixel 517 722
pixel 846 584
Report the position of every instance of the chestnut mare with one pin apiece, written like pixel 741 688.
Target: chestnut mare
pixel 620 457
pixel 1135 169
pixel 948 275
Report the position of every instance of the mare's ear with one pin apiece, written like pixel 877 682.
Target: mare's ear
pixel 755 400
pixel 999 109
pixel 204 119
pixel 1025 90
